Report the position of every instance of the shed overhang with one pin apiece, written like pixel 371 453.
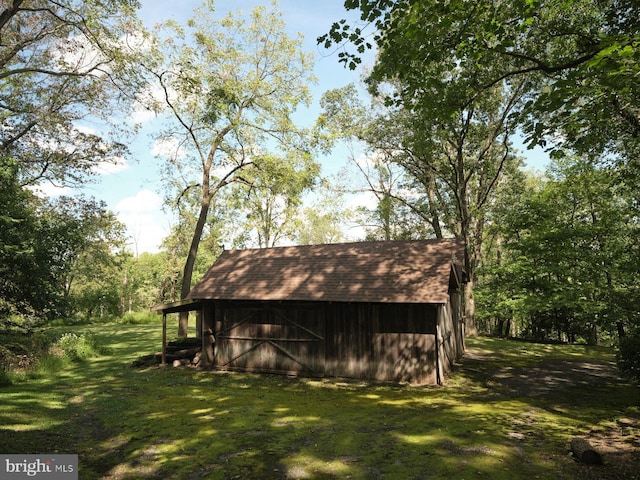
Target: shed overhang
pixel 186 305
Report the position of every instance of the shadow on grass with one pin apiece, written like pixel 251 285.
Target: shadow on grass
pixel 168 423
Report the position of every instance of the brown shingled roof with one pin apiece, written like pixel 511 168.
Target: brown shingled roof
pixel 411 271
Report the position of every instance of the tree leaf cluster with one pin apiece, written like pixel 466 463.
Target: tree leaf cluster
pixel 51 250
pixel 229 89
pixel 61 63
pixel 579 60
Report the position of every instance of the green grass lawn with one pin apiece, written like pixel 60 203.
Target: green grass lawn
pixel 168 423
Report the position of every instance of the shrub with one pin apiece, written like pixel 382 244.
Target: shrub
pixel 628 357
pixel 140 318
pixel 78 347
pixel 45 366
pixel 5 378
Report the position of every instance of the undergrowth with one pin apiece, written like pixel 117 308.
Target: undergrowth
pixel 25 356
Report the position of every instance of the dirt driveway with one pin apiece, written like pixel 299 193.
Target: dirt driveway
pixel 548 380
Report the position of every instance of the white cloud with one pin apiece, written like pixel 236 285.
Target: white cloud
pixel 141 114
pixel 146 223
pixel 143 201
pixel 148 105
pixel 47 190
pixel 84 129
pixel 167 148
pixel 365 199
pixel 115 165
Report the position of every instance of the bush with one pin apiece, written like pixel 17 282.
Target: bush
pixel 45 366
pixel 628 357
pixel 5 378
pixel 78 347
pixel 140 318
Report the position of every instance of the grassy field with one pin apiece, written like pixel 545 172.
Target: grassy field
pixel 508 412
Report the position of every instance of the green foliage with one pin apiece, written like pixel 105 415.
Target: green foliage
pixel 5 378
pixel 76 348
pixel 431 176
pixel 45 366
pixel 266 206
pixel 63 61
pixel 564 264
pixel 628 356
pixel 230 88
pixel 21 350
pixel 53 254
pixel 577 60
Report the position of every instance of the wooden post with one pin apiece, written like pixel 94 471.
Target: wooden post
pixel 208 338
pixel 199 315
pixel 439 352
pixel 164 338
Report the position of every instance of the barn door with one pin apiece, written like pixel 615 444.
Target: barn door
pixel 272 339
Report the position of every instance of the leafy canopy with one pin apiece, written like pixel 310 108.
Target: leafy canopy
pixel 580 59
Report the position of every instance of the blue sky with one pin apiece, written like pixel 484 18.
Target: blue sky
pixel 134 191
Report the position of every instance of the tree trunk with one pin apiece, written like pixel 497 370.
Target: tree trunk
pixel 584 452
pixel 470 310
pixel 183 322
pixel 620 327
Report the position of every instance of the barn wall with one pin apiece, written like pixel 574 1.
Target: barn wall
pixel 446 355
pixel 450 333
pixel 207 334
pixel 457 313
pixel 388 342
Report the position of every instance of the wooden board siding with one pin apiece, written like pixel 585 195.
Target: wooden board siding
pixel 388 342
pixel 457 311
pixel 270 338
pixel 404 346
pixel 450 333
pixel 446 343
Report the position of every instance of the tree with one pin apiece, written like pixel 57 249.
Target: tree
pixel 266 206
pixel 62 62
pixel 388 214
pixel 574 64
pixel 452 165
pixel 148 272
pixel 93 259
pixel 324 220
pixel 580 60
pixel 230 87
pixel 16 220
pixel 52 253
pixel 568 264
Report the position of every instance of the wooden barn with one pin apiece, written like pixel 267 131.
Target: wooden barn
pixel 389 311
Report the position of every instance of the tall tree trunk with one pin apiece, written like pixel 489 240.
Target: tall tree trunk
pixel 187 275
pixel 620 328
pixel 470 309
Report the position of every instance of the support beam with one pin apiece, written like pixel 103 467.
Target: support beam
pixel 164 339
pixel 208 339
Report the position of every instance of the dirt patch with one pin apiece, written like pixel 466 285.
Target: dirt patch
pixel 618 441
pixel 544 377
pixel 619 445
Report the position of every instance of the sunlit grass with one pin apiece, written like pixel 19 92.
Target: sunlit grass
pixel 166 423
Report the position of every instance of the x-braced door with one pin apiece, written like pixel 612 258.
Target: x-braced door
pixel 272 339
